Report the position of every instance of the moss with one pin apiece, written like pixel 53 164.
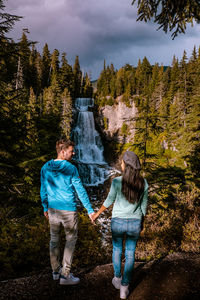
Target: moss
pixel 105 122
pixel 124 129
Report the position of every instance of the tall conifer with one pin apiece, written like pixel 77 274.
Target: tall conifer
pixel 77 78
pixel 45 67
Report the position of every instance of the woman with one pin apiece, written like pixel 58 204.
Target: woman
pixel 129 193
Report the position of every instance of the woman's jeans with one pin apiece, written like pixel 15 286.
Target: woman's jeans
pixel 69 220
pixel 128 230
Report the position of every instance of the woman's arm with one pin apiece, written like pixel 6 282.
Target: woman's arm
pixel 96 215
pixel 109 200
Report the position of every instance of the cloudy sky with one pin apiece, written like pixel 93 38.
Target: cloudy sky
pixel 97 30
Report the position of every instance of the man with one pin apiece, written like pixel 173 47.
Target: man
pixel 59 181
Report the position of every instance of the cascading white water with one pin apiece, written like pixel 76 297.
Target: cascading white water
pixel 89 149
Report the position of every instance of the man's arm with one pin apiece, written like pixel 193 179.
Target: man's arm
pixel 43 195
pixel 81 192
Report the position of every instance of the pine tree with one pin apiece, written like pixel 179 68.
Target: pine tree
pixel 120 82
pixel 33 75
pixel 19 76
pixel 86 88
pixel 31 142
pixel 25 52
pixel 103 83
pixel 45 67
pixel 169 15
pixel 38 66
pixel 184 87
pixel 8 47
pixel 77 78
pixel 55 67
pixel 157 87
pixel 174 75
pixel 193 68
pixel 66 75
pixel 66 113
pixel 146 71
pixel 112 81
pixel 138 76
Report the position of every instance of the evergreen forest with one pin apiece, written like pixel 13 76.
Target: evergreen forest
pixel 37 94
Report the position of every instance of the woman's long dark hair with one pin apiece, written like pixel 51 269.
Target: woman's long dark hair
pixel 132 184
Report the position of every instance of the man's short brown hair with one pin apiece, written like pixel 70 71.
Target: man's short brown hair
pixel 63 144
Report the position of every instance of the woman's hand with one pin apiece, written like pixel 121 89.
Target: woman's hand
pixel 95 216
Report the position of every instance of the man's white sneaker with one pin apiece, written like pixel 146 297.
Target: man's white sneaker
pixel 124 291
pixel 69 280
pixel 116 281
pixel 56 275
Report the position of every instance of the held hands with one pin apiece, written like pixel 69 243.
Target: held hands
pixel 93 217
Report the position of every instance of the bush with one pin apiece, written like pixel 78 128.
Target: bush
pixel 89 250
pixel 24 244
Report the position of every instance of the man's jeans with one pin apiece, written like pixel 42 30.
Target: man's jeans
pixel 69 220
pixel 128 229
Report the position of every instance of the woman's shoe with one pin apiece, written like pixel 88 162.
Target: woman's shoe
pixel 124 291
pixel 116 281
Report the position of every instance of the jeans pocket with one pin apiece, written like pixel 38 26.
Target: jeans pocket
pixel 117 225
pixel 134 227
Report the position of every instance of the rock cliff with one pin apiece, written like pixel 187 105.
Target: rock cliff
pixel 117 122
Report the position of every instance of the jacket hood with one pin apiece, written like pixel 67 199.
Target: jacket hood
pixel 55 166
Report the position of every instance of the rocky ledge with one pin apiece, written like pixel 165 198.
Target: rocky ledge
pixel 117 122
pixel 175 277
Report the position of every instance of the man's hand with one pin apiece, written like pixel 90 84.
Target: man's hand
pixel 91 217
pixel 46 215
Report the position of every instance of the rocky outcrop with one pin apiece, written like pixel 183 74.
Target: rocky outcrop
pixel 174 277
pixel 117 122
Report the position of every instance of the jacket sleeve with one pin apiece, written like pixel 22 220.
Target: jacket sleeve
pixel 144 201
pixel 43 192
pixel 111 195
pixel 81 192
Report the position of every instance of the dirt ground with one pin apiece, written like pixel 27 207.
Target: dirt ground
pixel 175 277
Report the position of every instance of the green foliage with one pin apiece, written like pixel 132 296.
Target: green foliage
pixel 102 101
pixel 45 67
pixel 23 242
pixel 169 15
pixel 167 142
pixel 77 78
pixel 126 98
pixel 36 110
pixel 89 250
pixel 105 122
pixel 66 118
pixel 172 222
pixel 124 129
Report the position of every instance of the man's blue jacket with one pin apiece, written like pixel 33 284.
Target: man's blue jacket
pixel 59 181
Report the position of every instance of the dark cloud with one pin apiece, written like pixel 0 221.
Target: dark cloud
pixel 95 30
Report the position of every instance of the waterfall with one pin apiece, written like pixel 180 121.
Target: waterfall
pixel 89 149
